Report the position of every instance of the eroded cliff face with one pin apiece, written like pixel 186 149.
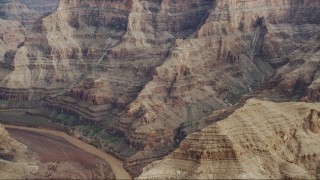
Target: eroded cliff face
pixel 230 55
pixel 163 65
pixel 26 11
pixel 40 6
pixel 14 10
pixel 261 140
pixel 61 47
pixel 103 41
pixel 12 34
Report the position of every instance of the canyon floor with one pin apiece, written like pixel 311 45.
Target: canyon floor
pixel 62 156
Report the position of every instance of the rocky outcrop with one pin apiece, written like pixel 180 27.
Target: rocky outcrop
pixel 16 161
pixel 163 66
pixel 92 100
pixel 231 54
pixel 11 35
pixel 260 140
pixel 40 6
pixel 26 11
pixel 92 91
pixel 299 61
pixel 95 40
pixel 14 10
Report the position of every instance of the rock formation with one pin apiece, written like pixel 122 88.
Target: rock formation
pixel 239 45
pixel 40 6
pixel 11 35
pixel 26 11
pixel 261 140
pixel 14 10
pixel 158 67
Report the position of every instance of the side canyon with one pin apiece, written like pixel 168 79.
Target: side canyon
pixel 174 88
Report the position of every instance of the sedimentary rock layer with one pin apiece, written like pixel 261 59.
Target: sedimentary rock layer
pixel 41 6
pixel 240 45
pixel 260 140
pixel 163 66
pixel 11 35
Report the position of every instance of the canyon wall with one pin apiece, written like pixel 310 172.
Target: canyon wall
pixel 14 10
pixel 240 45
pixel 26 11
pixel 41 6
pixel 161 66
pixel 261 140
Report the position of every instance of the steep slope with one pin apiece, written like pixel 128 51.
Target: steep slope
pixel 41 6
pixel 128 60
pixel 12 34
pixel 260 140
pixel 26 11
pixel 139 72
pixel 14 10
pixel 241 44
pixel 57 51
pixel 102 42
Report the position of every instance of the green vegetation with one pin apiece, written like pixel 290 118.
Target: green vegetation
pixel 96 131
pixel 63 118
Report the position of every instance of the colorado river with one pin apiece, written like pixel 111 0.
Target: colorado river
pixel 116 164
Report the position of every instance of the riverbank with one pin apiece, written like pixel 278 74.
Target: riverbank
pixel 29 118
pixel 115 163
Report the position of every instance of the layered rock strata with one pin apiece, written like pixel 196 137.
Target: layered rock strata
pixel 61 45
pixel 258 141
pixel 40 6
pixel 95 40
pixel 163 66
pixel 26 11
pixel 11 35
pixel 241 44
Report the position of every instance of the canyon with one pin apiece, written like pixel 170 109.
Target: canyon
pixel 35 161
pixel 151 80
pixel 260 140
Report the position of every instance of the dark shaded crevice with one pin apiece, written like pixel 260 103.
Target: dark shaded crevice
pixel 171 85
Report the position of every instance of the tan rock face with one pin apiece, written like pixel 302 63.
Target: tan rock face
pixel 92 91
pixel 241 44
pixel 164 65
pixel 11 35
pixel 314 121
pixel 260 140
pixel 40 6
pixel 27 12
pixel 14 10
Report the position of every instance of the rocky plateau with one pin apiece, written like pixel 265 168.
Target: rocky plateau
pixel 148 73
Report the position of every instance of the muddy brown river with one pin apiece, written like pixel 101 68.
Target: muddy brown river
pixel 58 141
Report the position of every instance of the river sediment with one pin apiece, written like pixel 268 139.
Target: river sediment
pixel 33 137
